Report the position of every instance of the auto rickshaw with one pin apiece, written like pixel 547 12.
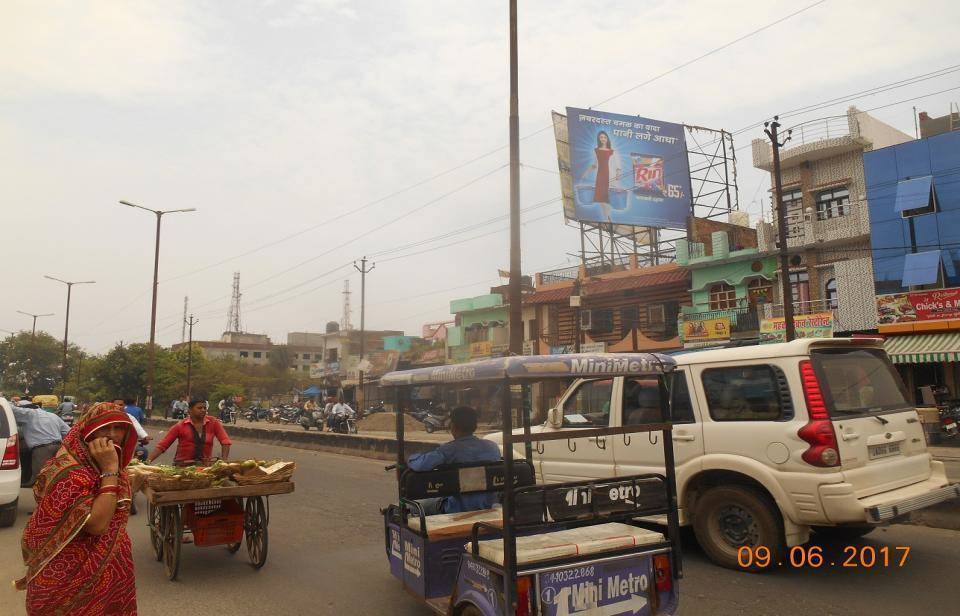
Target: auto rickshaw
pixel 557 549
pixel 47 402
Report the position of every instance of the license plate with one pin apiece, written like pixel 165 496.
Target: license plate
pixel 884 450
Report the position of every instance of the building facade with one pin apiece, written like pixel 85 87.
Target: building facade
pixel 828 223
pixel 914 194
pixel 480 328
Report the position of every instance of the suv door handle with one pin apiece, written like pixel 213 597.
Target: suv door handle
pixel 684 437
pixel 849 436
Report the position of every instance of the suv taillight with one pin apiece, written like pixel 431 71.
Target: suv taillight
pixel 818 432
pixel 11 454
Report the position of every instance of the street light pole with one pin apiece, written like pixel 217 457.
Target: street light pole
pixel 514 294
pixel 770 128
pixel 191 323
pixel 363 306
pixel 33 332
pixel 151 351
pixel 66 326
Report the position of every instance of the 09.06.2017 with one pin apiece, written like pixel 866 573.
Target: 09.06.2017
pixel 854 556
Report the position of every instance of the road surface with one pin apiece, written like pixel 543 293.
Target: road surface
pixel 326 556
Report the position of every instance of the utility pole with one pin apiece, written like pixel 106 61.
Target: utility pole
pixel 79 367
pixel 151 351
pixel 33 331
pixel 770 128
pixel 514 295
pixel 576 301
pixel 363 306
pixel 66 327
pixel 183 328
pixel 191 322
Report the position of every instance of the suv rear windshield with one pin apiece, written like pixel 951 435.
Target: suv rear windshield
pixel 4 424
pixel 859 381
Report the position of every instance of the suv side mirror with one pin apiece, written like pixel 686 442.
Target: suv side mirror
pixel 555 418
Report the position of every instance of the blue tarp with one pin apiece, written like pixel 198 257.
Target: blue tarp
pixel 913 194
pixel 921 268
pixel 313 390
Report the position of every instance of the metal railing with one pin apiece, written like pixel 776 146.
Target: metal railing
pixel 819 130
pixel 743 318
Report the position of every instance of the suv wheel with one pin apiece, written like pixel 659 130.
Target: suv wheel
pixel 843 533
pixel 728 518
pixel 8 514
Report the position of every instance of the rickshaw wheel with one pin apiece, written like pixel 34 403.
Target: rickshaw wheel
pixel 255 527
pixel 156 530
pixel 172 537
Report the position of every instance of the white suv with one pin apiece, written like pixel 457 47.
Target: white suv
pixel 9 465
pixel 770 441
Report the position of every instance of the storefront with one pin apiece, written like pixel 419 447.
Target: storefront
pixel 927 359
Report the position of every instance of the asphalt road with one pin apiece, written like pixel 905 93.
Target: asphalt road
pixel 326 557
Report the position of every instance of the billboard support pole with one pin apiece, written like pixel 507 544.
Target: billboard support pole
pixel 516 309
pixel 583 248
pixel 770 128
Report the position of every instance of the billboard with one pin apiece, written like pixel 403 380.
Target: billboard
pixel 627 170
pixel 705 330
pixel 939 305
pixel 819 325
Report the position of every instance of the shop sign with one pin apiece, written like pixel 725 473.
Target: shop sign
pixel 819 325
pixel 481 349
pixel 938 305
pixel 528 347
pixel 593 347
pixel 705 330
pixel 499 350
pixel 562 349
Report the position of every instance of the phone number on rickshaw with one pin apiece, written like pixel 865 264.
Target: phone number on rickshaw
pixel 568 575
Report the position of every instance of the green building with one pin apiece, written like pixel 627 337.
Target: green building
pixel 480 328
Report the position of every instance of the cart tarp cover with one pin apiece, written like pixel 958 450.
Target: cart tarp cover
pixel 536 367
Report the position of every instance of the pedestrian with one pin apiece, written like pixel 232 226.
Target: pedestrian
pixel 75 545
pixel 194 436
pixel 42 433
pixel 133 410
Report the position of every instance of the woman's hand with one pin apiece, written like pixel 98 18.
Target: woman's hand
pixel 104 455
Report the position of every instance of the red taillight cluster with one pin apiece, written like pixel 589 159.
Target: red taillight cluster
pixel 662 573
pixel 11 454
pixel 818 432
pixel 524 596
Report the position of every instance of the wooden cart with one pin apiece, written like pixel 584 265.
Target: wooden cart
pixel 217 516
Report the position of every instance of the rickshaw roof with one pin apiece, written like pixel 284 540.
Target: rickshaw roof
pixel 533 367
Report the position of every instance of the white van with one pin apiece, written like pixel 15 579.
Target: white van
pixel 770 441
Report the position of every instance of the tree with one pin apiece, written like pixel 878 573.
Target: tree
pixel 32 363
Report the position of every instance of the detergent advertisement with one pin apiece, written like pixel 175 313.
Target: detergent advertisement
pixel 628 170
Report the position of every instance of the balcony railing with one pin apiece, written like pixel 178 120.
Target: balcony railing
pixel 818 130
pixel 743 319
pixel 808 307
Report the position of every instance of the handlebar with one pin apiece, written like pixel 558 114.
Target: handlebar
pixel 390 468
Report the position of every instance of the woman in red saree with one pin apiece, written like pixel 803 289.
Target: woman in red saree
pixel 75 546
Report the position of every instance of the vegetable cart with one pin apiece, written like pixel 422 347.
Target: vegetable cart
pixel 216 516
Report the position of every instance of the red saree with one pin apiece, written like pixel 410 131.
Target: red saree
pixel 70 571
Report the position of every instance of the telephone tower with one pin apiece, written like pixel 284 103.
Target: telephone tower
pixel 233 318
pixel 345 324
pixel 183 330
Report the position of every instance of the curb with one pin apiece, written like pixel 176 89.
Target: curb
pixel 375 447
pixel 945 515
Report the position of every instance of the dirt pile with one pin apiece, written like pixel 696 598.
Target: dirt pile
pixel 387 422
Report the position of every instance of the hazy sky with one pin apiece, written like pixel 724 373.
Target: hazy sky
pixel 275 118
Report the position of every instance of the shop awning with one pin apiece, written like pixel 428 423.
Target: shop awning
pixel 923 348
pixel 921 268
pixel 913 194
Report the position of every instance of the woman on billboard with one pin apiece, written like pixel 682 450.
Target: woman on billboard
pixel 601 191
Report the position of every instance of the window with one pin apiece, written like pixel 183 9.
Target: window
pixel 244 354
pixel 722 296
pixel 681 408
pixel 833 203
pixel 306 355
pixel 793 206
pixel 332 355
pixel 477 333
pixel 641 401
pixel 655 315
pixel 915 197
pixel 305 368
pixel 256 354
pixel 859 382
pixel 589 405
pixel 602 321
pixel 800 288
pixel 533 329
pixel 629 318
pixel 830 293
pixel 746 393
pixel 759 291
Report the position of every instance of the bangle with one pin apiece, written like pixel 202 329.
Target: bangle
pixel 110 474
pixel 115 490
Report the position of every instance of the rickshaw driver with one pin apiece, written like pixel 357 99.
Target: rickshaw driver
pixel 463 449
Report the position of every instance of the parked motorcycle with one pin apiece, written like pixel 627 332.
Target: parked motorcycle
pixel 376 407
pixel 256 413
pixel 312 419
pixel 433 422
pixel 289 415
pixel 949 421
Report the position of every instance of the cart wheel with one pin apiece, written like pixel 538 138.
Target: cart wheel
pixel 255 527
pixel 172 537
pixel 155 521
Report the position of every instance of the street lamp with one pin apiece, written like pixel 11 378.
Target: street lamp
pixel 148 406
pixel 33 332
pixel 66 326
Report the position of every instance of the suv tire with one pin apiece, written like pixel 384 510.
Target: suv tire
pixel 8 513
pixel 730 517
pixel 843 533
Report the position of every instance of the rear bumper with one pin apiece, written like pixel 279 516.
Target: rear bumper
pixel 9 486
pixel 888 511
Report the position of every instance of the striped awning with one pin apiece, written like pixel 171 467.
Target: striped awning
pixel 923 348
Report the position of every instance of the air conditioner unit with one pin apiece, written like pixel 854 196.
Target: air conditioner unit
pixel 586 320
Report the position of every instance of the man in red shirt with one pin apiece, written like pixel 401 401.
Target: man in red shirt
pixel 194 436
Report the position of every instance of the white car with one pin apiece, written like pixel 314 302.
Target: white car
pixel 770 442
pixel 9 465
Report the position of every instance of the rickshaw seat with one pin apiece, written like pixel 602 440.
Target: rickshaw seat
pixel 463 479
pixel 592 539
pixel 450 525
